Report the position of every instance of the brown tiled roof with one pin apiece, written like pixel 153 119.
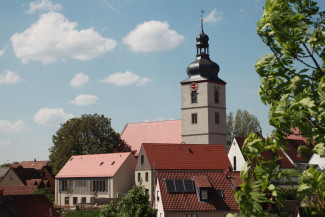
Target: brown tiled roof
pixel 34 205
pixel 201 181
pixel 18 189
pixel 37 165
pixel 235 179
pixel 26 174
pixel 186 156
pixel 240 141
pixel 292 150
pixel 189 201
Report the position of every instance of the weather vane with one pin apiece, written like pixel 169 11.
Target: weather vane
pixel 202 12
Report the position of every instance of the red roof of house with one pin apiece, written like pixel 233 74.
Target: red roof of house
pixel 234 177
pixel 292 150
pixel 202 181
pixel 186 156
pixel 26 174
pixel 152 132
pixel 37 165
pixel 189 201
pixel 95 165
pixel 18 189
pixel 295 135
pixel 34 205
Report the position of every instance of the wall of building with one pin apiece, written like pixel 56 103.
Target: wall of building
pixel 235 151
pixel 199 214
pixel 158 203
pixel 11 179
pixel 319 160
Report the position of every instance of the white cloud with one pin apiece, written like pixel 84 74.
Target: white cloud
pixel 79 80
pixel 124 79
pixel 53 37
pixel 84 100
pixel 242 10
pixel 214 17
pixel 8 127
pixel 51 117
pixel 43 5
pixel 153 36
pixel 9 77
pixel 5 142
pixel 2 52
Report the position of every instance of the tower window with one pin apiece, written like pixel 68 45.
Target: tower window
pixel 216 96
pixel 142 159
pixel 194 118
pixel 216 118
pixel 194 97
pixel 235 163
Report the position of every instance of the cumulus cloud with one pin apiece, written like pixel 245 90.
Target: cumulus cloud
pixel 9 77
pixel 79 80
pixel 214 17
pixel 153 36
pixel 53 37
pixel 43 5
pixel 2 52
pixel 51 117
pixel 124 79
pixel 84 100
pixel 8 127
pixel 5 142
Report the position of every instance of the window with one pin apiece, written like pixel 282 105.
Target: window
pixel 192 215
pixel 216 117
pixel 216 96
pixel 83 200
pixel 194 118
pixel 147 176
pixel 146 191
pixel 204 194
pixel 142 159
pixel 194 96
pixel 219 194
pixel 64 185
pixel 139 177
pixel 43 174
pixel 75 200
pixel 99 186
pixel 66 200
pixel 235 163
pixel 11 176
pixel 158 196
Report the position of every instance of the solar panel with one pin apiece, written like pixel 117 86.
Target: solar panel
pixel 179 185
pixel 170 185
pixel 189 187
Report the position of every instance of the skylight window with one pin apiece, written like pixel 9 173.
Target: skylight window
pixel 179 185
pixel 101 163
pixel 113 163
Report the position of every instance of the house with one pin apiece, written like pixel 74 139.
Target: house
pixel 3 171
pixel 26 206
pixel 20 181
pixel 42 168
pixel 237 159
pixel 155 157
pixel 196 193
pixel 93 178
pixel 135 134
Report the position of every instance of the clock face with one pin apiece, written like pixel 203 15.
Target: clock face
pixel 194 86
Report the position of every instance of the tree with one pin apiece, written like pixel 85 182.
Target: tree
pixel 89 134
pixel 243 125
pixel 293 85
pixel 135 203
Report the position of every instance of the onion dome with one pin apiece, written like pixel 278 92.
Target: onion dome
pixel 203 66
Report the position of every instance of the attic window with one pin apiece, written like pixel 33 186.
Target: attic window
pixel 219 194
pixel 101 163
pixel 113 163
pixel 204 194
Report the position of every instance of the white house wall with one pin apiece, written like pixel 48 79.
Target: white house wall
pixel 235 151
pixel 317 159
pixel 158 204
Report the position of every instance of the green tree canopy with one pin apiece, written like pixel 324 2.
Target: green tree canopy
pixel 243 124
pixel 293 86
pixel 135 204
pixel 89 134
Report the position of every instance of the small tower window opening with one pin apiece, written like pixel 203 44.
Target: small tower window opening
pixel 216 96
pixel 194 118
pixel 217 118
pixel 142 159
pixel 194 96
pixel 235 163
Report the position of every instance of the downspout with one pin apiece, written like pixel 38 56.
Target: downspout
pixel 153 185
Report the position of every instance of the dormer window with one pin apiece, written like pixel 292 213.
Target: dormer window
pixel 204 194
pixel 219 194
pixel 194 96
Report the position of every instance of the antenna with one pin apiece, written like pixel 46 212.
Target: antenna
pixel 202 12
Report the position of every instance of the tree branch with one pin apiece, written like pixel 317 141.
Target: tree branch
pixel 312 57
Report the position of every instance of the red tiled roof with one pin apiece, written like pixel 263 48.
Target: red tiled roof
pixel 152 132
pixel 26 174
pixel 18 189
pixel 95 165
pixel 189 201
pixel 292 150
pixel 235 178
pixel 34 205
pixel 240 141
pixel 187 156
pixel 295 135
pixel 37 165
pixel 201 181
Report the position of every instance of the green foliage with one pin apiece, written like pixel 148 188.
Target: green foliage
pixel 89 134
pixel 9 164
pixel 47 191
pixel 135 204
pixel 243 124
pixel 83 213
pixel 293 85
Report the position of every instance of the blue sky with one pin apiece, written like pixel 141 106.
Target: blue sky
pixel 121 58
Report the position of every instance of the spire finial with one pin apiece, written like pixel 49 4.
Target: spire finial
pixel 202 12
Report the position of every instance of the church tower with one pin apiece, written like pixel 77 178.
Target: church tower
pixel 203 99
